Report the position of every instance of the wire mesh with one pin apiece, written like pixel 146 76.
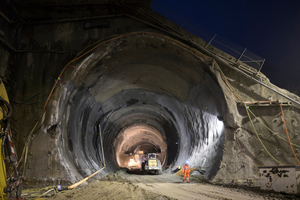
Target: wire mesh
pixel 227 46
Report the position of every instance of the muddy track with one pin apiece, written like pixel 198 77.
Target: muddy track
pixel 122 185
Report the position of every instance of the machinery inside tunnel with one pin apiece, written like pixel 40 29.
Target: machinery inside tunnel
pixel 139 139
pixel 164 99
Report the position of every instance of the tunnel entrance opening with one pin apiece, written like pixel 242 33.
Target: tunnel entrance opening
pixel 171 105
pixel 132 143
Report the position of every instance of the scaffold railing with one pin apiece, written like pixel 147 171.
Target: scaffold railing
pixel 241 54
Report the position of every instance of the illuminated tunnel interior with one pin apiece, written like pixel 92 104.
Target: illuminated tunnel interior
pixel 143 92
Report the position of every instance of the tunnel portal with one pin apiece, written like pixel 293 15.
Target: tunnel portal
pixel 143 92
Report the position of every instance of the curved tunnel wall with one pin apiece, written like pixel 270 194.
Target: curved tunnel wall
pixel 143 80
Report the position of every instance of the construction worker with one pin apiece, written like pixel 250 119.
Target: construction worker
pixel 186 172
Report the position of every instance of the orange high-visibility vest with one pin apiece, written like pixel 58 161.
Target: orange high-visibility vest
pixel 186 168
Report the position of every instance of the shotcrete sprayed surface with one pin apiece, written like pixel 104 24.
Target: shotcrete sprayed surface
pixel 170 93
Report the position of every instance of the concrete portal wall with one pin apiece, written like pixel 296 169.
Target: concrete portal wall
pixel 49 47
pixel 262 142
pixel 33 73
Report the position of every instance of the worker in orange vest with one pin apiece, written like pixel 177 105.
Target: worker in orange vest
pixel 186 172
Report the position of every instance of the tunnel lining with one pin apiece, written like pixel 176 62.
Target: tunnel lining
pixel 180 116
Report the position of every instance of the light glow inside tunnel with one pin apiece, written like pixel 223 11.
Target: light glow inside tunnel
pixel 146 93
pixel 136 139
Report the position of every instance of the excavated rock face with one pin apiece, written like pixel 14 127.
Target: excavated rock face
pixel 143 92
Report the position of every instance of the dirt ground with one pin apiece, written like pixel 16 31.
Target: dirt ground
pixel 122 185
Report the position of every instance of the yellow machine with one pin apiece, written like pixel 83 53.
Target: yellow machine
pixel 9 185
pixel 152 164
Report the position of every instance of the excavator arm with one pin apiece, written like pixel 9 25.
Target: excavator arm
pixel 9 186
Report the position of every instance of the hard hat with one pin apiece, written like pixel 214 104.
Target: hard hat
pixel 187 162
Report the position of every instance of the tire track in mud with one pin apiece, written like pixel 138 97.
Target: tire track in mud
pixel 112 187
pixel 121 185
pixel 171 186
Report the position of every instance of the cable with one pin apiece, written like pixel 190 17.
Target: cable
pixel 271 129
pixel 78 56
pixel 24 102
pixel 25 161
pixel 223 166
pixel 290 143
pixel 225 80
pixel 259 137
pixel 8 107
pixel 62 72
pixel 111 36
pixel 38 193
pixel 3 157
pixel 239 98
pixel 287 134
pixel 246 107
pixel 77 74
pixel 11 47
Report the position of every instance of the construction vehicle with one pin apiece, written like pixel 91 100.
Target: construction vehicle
pixel 134 165
pixel 10 186
pixel 152 164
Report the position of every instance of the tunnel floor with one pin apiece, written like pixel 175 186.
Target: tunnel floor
pixel 121 185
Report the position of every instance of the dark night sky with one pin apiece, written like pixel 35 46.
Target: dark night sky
pixel 268 28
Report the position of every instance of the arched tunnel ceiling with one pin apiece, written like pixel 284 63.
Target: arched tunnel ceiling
pixel 146 80
pixel 161 68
